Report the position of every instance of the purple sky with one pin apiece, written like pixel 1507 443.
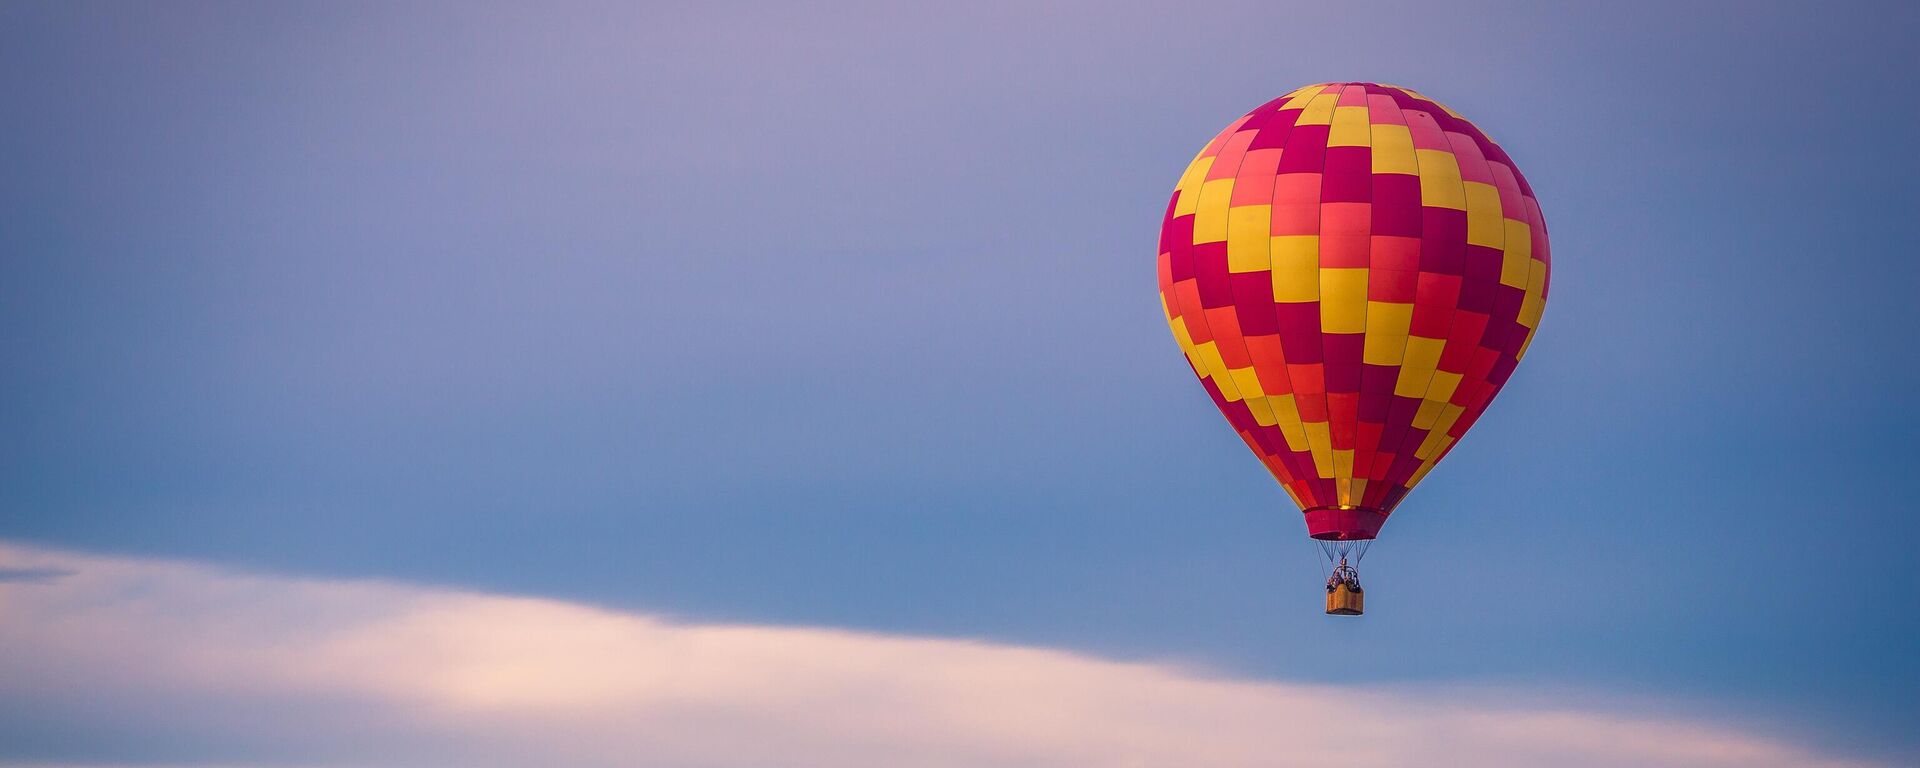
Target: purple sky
pixel 843 317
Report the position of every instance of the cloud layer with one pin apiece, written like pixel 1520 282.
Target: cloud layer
pixel 116 661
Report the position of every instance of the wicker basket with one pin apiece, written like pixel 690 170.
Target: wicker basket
pixel 1343 600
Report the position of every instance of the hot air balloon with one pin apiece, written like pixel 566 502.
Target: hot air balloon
pixel 1353 271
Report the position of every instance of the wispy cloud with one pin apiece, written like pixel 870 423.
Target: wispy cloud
pixel 123 661
pixel 33 575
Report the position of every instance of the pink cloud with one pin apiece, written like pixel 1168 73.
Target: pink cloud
pixel 238 668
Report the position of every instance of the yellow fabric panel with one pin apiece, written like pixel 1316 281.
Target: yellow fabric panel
pixel 1423 352
pixel 1524 344
pixel 1519 238
pixel 1216 368
pixel 1199 360
pixel 1343 300
pixel 1290 426
pixel 1534 303
pixel 1484 224
pixel 1449 414
pixel 1513 269
pixel 1320 444
pixel 1248 382
pixel 1417 366
pixel 1189 186
pixel 1412 381
pixel 1247 237
pixel 1436 442
pixel 1210 216
pixel 1351 490
pixel 1389 317
pixel 1349 128
pixel 1428 413
pixel 1319 111
pixel 1262 413
pixel 1393 150
pixel 1384 348
pixel 1343 462
pixel 1442 387
pixel 1440 180
pixel 1185 339
pixel 1300 98
pixel 1296 268
pixel 1387 324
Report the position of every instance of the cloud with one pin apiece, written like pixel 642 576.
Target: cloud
pixel 33 575
pixel 127 661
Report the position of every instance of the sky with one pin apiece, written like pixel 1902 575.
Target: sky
pixel 811 353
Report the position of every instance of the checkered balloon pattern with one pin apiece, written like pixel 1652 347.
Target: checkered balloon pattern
pixel 1353 270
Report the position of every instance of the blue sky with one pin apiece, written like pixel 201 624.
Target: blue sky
pixel 844 316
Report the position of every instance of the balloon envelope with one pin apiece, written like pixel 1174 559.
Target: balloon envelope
pixel 1353 270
